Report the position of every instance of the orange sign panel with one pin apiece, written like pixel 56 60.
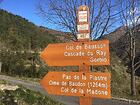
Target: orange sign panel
pixel 77 84
pixel 77 53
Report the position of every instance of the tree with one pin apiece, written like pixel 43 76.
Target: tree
pixel 130 18
pixel 63 13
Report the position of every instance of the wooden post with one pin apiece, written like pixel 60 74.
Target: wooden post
pixel 82 60
pixel 85 100
pixel 83 35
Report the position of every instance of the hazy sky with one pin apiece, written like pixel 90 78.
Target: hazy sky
pixel 24 8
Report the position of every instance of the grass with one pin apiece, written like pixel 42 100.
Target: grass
pixel 22 96
pixel 120 80
pixel 2 82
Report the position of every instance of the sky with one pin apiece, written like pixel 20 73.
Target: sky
pixel 26 9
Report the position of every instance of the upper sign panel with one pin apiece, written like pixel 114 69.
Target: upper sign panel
pixel 77 53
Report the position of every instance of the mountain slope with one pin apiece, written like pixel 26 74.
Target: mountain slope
pixel 18 33
pixel 120 44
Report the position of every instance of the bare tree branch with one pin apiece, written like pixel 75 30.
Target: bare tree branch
pixel 64 12
pixel 128 19
pixel 137 65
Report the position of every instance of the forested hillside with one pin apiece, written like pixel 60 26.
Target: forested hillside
pixel 20 42
pixel 120 44
pixel 17 33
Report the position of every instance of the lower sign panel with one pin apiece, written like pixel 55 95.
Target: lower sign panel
pixel 78 84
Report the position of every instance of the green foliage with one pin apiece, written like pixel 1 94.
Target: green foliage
pixel 7 98
pixel 21 41
pixel 120 79
pixel 138 87
pixel 23 96
pixel 22 64
pixel 18 34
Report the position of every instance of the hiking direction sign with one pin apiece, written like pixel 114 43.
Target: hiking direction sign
pixel 82 53
pixel 77 53
pixel 77 84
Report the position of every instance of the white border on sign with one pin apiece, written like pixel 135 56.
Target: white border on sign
pixel 83 36
pixel 82 27
pixel 82 16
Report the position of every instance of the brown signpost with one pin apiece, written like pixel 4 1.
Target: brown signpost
pixel 77 84
pixel 83 30
pixel 83 54
pixel 77 53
